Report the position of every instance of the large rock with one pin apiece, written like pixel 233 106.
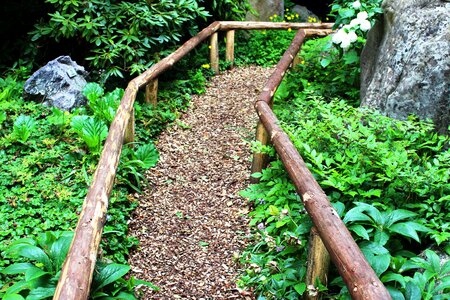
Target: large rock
pixel 406 62
pixel 266 9
pixel 304 13
pixel 59 83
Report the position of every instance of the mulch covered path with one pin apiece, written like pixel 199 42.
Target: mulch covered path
pixel 191 221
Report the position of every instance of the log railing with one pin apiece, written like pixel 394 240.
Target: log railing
pixel 77 271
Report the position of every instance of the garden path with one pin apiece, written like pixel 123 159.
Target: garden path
pixel 191 222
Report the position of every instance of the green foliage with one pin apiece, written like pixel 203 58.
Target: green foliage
pixel 23 127
pixel 133 161
pixel 36 276
pixel 388 179
pixel 123 37
pixel 91 130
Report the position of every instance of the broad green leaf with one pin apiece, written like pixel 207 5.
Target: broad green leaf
pixel 398 215
pixel 12 297
pixel 347 13
pixel 18 286
pixel 146 283
pixel 147 154
pixel 412 291
pixel 125 296
pixel 58 250
pixel 405 229
pixel 390 276
pixel 300 288
pixel 107 274
pixel 29 251
pixel 41 293
pixel 93 91
pixel 325 62
pixel 33 273
pixel 17 268
pixel 360 231
pixel 355 214
pixel 395 294
pixel 377 256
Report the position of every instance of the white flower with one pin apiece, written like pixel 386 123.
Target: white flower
pixel 356 5
pixel 352 36
pixel 362 16
pixel 355 22
pixel 338 36
pixel 345 44
pixel 365 25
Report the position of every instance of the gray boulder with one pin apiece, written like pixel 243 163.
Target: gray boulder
pixel 406 62
pixel 59 83
pixel 265 9
pixel 304 13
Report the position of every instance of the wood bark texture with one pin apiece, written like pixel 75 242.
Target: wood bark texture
pixel 129 129
pixel 260 160
pixel 229 54
pixel 229 25
pixel 214 52
pixel 151 92
pixel 318 264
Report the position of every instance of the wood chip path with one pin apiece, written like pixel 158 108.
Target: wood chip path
pixel 191 220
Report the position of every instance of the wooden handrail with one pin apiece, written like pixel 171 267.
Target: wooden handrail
pixel 76 274
pixel 361 280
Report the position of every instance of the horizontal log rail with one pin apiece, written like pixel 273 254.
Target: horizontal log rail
pixel 77 272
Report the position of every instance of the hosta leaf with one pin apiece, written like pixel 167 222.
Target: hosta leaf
pixel 355 214
pixel 395 294
pixel 41 293
pixel 107 274
pixel 147 154
pixel 360 231
pixel 33 273
pixel 412 291
pixel 93 91
pixel 394 277
pixel 29 251
pixel 398 215
pixel 377 256
pixel 12 297
pixel 17 268
pixel 59 248
pixel 405 229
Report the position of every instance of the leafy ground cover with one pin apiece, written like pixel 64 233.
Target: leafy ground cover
pixel 47 159
pixel 387 179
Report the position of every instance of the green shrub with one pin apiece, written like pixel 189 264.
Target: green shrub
pixel 388 179
pixel 123 37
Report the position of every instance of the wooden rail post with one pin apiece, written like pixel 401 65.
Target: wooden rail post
pixel 151 92
pixel 318 264
pixel 214 52
pixel 129 129
pixel 260 160
pixel 230 47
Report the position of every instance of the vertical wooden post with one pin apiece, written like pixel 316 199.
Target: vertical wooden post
pixel 230 47
pixel 318 264
pixel 296 61
pixel 214 52
pixel 151 92
pixel 260 160
pixel 129 130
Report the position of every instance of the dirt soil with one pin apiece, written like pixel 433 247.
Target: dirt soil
pixel 191 222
